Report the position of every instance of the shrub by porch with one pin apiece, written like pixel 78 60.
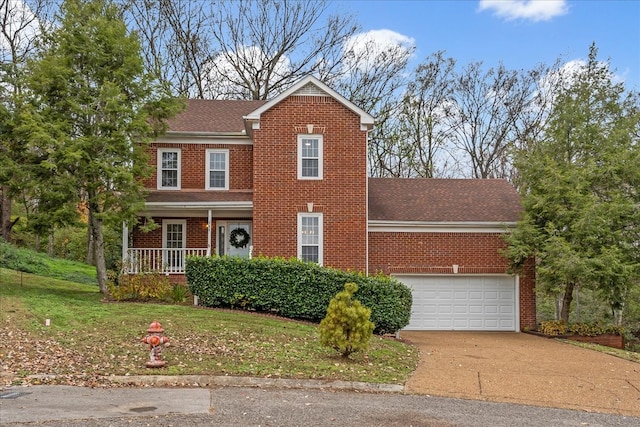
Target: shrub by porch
pixel 294 289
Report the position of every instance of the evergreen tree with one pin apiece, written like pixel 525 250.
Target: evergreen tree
pixel 346 328
pixel 581 190
pixel 93 110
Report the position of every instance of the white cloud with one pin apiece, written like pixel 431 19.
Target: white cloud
pixel 223 73
pixel 21 26
pixel 368 47
pixel 383 39
pixel 535 10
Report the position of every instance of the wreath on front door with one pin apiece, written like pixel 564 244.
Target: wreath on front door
pixel 239 238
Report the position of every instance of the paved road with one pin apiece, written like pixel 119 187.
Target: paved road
pixel 57 406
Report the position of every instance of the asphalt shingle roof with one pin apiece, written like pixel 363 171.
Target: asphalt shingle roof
pixel 214 116
pixel 443 200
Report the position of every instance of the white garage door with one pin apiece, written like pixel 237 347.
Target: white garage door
pixel 462 303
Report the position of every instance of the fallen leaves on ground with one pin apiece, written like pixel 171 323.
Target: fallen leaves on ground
pixel 29 361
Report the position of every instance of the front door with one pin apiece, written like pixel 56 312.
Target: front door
pixel 174 243
pixel 234 238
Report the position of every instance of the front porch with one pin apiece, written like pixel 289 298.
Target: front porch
pixel 162 260
pixel 165 249
pixel 188 223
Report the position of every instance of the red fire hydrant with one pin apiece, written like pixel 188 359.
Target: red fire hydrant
pixel 155 341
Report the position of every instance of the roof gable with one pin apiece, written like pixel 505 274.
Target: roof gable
pixel 311 86
pixel 443 200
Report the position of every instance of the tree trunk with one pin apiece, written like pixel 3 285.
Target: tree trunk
pixel 5 214
pixel 90 241
pixel 617 316
pixel 51 241
pixel 95 225
pixel 566 302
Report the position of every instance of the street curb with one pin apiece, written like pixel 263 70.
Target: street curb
pixel 232 381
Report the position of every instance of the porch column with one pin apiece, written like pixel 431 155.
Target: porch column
pixel 125 241
pixel 209 234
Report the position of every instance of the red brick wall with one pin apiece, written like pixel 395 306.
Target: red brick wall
pixel 528 296
pixel 196 234
pixel 340 195
pixel 193 162
pixel 152 239
pixel 424 252
pixel 436 253
pixel 615 341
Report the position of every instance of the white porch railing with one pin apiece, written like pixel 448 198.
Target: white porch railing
pixel 164 260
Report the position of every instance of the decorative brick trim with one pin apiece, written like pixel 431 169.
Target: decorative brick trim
pixel 309 129
pixel 305 208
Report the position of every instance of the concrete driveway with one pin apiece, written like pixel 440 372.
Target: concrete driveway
pixel 523 368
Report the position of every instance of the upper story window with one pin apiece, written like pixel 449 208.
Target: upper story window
pixel 169 168
pixel 217 170
pixel 309 156
pixel 310 237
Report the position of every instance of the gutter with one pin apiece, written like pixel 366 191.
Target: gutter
pixel 382 226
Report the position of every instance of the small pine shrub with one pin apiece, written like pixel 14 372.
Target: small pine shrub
pixel 346 328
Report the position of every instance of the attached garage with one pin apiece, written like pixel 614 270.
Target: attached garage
pixel 444 238
pixel 463 303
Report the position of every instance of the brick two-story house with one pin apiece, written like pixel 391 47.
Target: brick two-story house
pixel 288 177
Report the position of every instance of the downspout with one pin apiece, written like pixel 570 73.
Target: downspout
pixel 366 237
pixel 209 233
pixel 366 207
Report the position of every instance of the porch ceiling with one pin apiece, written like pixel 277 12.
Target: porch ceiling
pixel 222 204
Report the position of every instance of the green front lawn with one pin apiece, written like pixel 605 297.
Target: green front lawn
pixel 91 339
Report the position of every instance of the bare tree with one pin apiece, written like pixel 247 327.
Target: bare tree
pixel 266 45
pixel 424 126
pixel 482 117
pixel 491 113
pixel 464 123
pixel 176 36
pixel 243 49
pixel 373 77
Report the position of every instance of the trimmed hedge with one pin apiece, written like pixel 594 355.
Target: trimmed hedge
pixel 294 289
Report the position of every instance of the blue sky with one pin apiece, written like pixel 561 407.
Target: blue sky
pixel 520 33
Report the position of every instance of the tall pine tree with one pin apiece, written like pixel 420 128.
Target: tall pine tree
pixel 93 110
pixel 581 190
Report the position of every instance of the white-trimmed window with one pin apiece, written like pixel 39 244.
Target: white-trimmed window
pixel 310 237
pixel 309 156
pixel 174 242
pixel 169 168
pixel 217 170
